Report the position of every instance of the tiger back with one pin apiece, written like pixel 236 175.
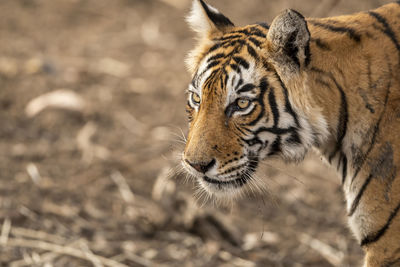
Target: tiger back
pixel 278 90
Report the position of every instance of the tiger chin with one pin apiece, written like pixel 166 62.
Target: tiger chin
pixel 278 90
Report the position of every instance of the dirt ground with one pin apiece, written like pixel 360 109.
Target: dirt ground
pixel 92 113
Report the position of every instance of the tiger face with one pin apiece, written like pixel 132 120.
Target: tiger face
pixel 225 102
pixel 239 108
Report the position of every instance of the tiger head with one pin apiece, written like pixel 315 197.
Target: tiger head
pixel 248 99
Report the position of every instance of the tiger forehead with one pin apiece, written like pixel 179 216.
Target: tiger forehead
pixel 242 33
pixel 236 39
pixel 231 50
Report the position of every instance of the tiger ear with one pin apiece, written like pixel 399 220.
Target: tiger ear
pixel 204 18
pixel 288 41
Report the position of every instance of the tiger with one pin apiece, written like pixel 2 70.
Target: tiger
pixel 298 84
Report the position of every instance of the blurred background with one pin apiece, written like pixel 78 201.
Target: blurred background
pixel 91 121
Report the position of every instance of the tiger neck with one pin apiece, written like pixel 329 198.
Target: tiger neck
pixel 323 99
pixel 333 101
pixel 337 97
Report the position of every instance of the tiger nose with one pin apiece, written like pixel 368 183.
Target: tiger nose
pixel 202 167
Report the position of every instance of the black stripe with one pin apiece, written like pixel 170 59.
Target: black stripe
pixel 240 82
pixel 214 47
pixel 344 168
pixel 276 146
pixel 374 135
pixel 317 70
pixel 308 54
pixel 321 44
pixel 216 56
pixel 226 78
pixel 264 25
pixel 231 43
pixel 198 76
pixel 209 81
pixel 239 129
pixel 392 263
pixel 339 161
pixel 228 37
pixel 252 52
pixel 275 130
pixel 343 113
pixel 371 85
pixel 245 88
pixel 258 33
pixel 217 18
pixel 255 41
pixel 222 81
pixel 241 61
pixel 356 201
pixel 263 88
pixel 273 106
pixel 294 138
pixel 235 67
pixel 212 64
pixel 377 235
pixel 253 141
pixel 288 106
pixel 343 119
pixel 251 31
pixel 323 83
pixel 267 66
pixel 307 47
pixel 232 81
pixel 349 31
pixel 387 29
pixel 210 77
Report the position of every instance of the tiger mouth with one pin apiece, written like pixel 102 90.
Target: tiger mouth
pixel 238 182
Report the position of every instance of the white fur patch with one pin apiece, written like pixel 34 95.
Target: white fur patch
pixel 198 19
pixel 249 75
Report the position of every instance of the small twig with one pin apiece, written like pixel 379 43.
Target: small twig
pixel 35 257
pixel 64 250
pixel 44 258
pixel 123 187
pixel 28 213
pixel 332 255
pixel 163 184
pixel 34 173
pixel 61 99
pixel 34 234
pixel 5 231
pixel 85 248
pixel 139 260
pixel 27 258
pixel 88 148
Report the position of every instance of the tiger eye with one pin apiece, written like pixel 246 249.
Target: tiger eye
pixel 243 103
pixel 195 98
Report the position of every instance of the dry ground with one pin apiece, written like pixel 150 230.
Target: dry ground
pixel 86 185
